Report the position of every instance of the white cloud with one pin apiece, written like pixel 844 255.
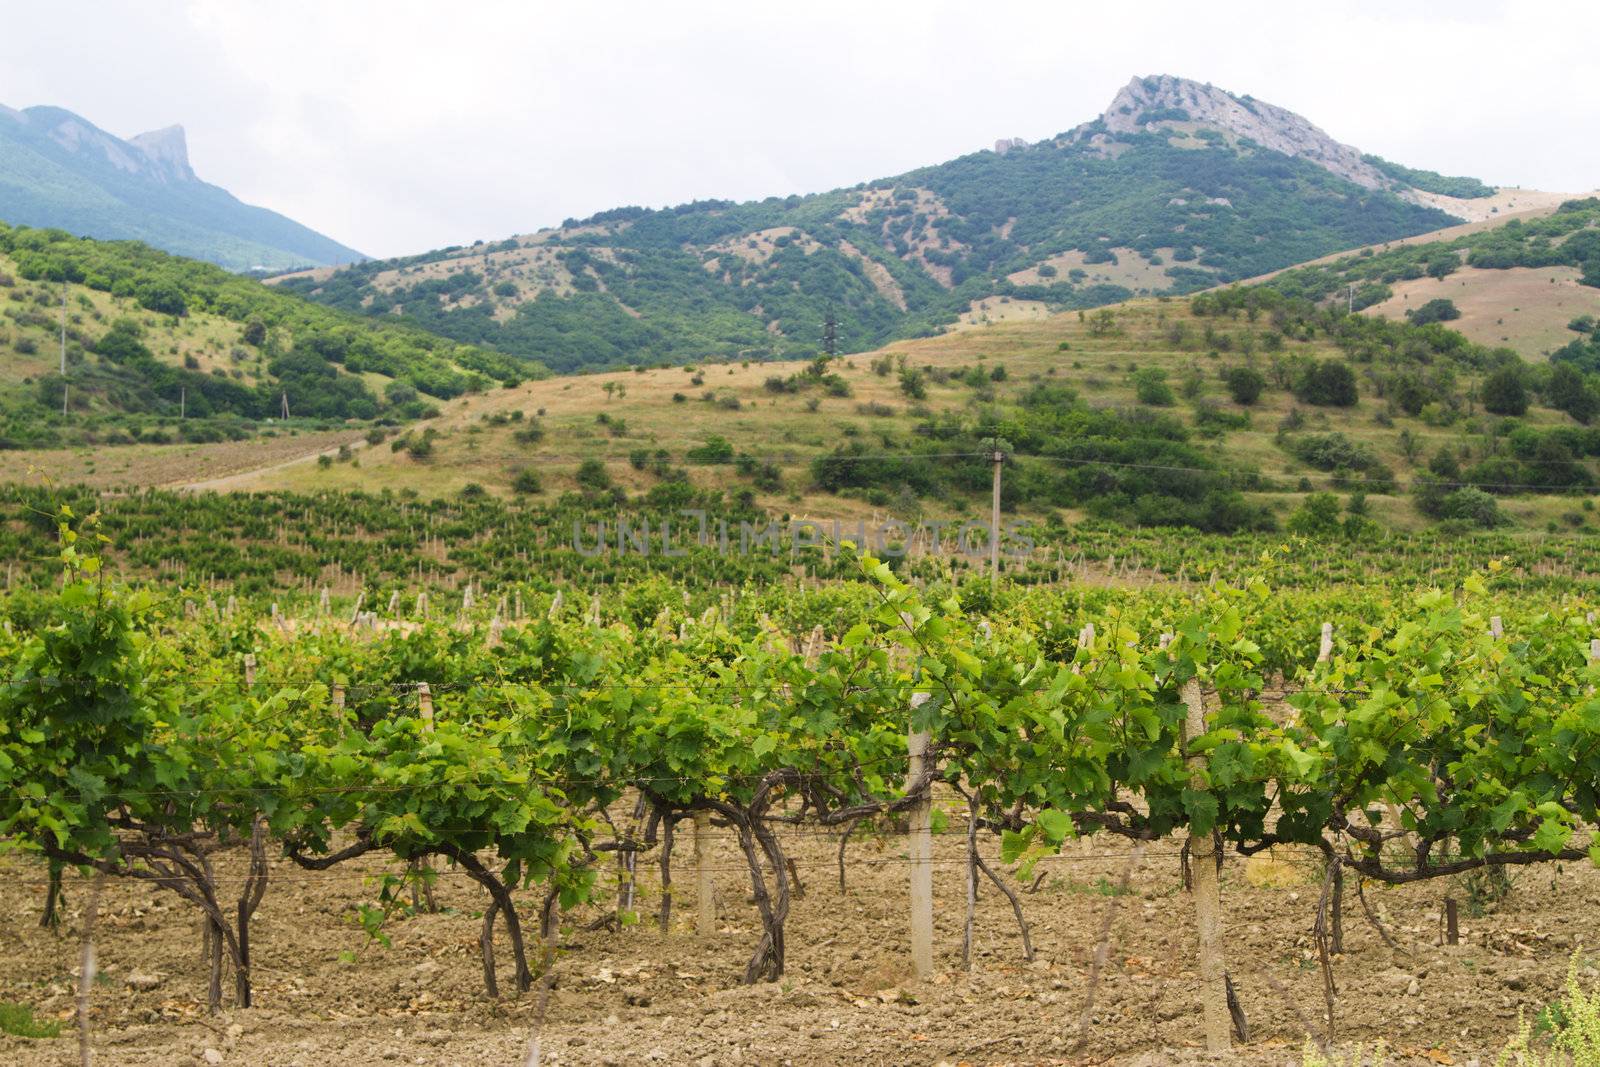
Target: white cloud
pixel 399 126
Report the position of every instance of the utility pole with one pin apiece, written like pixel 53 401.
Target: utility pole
pixel 286 404
pixel 830 335
pixel 63 329
pixel 183 401
pixel 998 458
pixel 1351 307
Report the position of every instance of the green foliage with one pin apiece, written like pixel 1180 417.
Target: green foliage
pixel 1444 499
pixel 1431 181
pixel 1318 516
pixel 18 1020
pixel 1569 1028
pixel 1351 462
pixel 1327 383
pixel 1439 309
pixel 1569 237
pixel 314 356
pixel 1245 384
pixel 1358 1056
pixel 1503 391
pixel 1150 387
pixel 593 476
pixel 716 449
pixel 1567 389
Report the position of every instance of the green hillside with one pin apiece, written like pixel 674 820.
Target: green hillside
pixel 1090 217
pixel 1224 412
pixel 152 337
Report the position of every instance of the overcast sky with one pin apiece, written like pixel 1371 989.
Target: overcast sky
pixel 398 126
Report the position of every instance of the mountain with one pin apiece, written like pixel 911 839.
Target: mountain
pixel 1178 186
pixel 161 348
pixel 60 170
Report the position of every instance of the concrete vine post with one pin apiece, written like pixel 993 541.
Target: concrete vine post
pixel 87 965
pixel 422 868
pixel 705 916
pixel 1207 892
pixel 920 849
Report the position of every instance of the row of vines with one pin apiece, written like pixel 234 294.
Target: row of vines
pixel 1435 733
pixel 289 546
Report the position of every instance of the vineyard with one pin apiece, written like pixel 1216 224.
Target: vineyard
pixel 979 823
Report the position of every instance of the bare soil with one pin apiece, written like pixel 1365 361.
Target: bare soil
pixel 326 995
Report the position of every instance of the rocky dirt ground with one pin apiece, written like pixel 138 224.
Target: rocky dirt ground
pixel 326 995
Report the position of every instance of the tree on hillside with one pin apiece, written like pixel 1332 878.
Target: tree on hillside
pixel 1440 309
pixel 1318 516
pixel 1442 264
pixel 1567 390
pixel 1503 392
pixel 1327 383
pixel 1245 385
pixel 1150 387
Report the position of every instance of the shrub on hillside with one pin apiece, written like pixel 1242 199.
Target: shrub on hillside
pixel 1503 392
pixel 1245 384
pixel 1327 383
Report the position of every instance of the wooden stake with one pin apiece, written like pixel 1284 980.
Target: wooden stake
pixel 425 705
pixel 814 646
pixel 1207 893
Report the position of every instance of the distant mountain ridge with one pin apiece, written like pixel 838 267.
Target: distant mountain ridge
pixel 59 170
pixel 1177 186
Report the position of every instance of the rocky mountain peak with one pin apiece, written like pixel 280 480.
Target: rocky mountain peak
pixel 1148 101
pixel 160 156
pixel 168 149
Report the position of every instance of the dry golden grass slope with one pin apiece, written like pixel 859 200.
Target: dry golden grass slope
pixel 1527 308
pixel 1486 213
pixel 1524 308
